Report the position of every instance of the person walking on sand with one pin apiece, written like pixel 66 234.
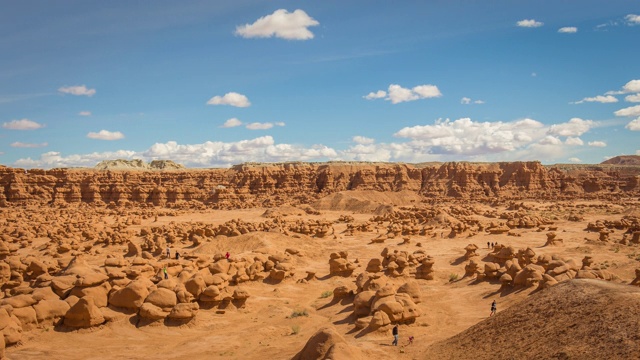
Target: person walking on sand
pixel 394 332
pixel 164 270
pixel 227 255
pixel 488 245
pixel 168 253
pixel 494 307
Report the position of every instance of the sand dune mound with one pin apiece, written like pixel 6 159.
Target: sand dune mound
pixel 366 201
pixel 262 242
pixel 578 319
pixel 623 160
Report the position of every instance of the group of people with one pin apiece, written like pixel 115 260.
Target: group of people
pixel 491 245
pixel 396 333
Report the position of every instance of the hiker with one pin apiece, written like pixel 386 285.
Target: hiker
pixel 395 335
pixel 488 245
pixel 492 246
pixel 493 308
pixel 410 340
pixel 168 253
pixel 177 255
pixel 227 255
pixel 166 275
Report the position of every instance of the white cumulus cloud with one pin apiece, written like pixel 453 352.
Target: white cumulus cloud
pixel 362 140
pixel 376 95
pixel 259 126
pixel 634 125
pixel 397 94
pixel 575 160
pixel 233 122
pixel 632 86
pixel 230 98
pixel 632 19
pixel 281 24
pixel 597 143
pixel 575 127
pixel 529 23
pixel 630 111
pixel 568 30
pixel 22 124
pixel 80 90
pixel 632 98
pixel 466 101
pixel 106 135
pixel 279 123
pixel 601 99
pixel 464 136
pixel 19 144
pixel 84 113
pixel 207 154
pixel 574 141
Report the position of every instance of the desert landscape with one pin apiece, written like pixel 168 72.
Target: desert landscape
pixel 321 260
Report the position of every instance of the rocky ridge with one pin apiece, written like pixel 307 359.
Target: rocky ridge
pixel 267 185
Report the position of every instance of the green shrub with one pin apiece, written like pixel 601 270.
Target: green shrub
pixel 326 294
pixel 298 313
pixel 295 329
pixel 453 277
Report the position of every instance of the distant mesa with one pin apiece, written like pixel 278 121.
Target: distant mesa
pixel 137 164
pixel 623 160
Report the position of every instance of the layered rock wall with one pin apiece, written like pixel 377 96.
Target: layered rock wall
pixel 250 185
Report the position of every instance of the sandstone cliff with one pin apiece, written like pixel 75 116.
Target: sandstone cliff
pixel 251 185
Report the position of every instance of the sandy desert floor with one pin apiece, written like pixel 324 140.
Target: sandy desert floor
pixel 265 328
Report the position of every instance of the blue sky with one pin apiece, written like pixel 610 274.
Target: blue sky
pixel 216 83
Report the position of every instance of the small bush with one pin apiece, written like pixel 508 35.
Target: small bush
pixel 295 329
pixel 453 277
pixel 298 313
pixel 326 294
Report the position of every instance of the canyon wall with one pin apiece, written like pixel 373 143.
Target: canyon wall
pixel 251 185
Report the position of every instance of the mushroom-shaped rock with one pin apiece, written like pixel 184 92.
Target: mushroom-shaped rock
pixel 425 270
pixel 19 301
pixel 51 310
pixel 362 303
pixel 91 279
pixel 471 269
pixel 379 319
pixel 411 288
pixel 132 296
pixel 506 280
pixel 470 251
pixel 320 344
pixel 195 285
pixel 163 298
pixel 83 314
pixel 393 309
pixel 341 292
pixel 184 311
pixel 152 312
pixel 10 327
pixel 98 293
pixel 374 265
pixel 240 294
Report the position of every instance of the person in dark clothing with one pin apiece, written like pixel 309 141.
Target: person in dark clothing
pixel 177 255
pixel 395 335
pixel 494 307
pixel 488 245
